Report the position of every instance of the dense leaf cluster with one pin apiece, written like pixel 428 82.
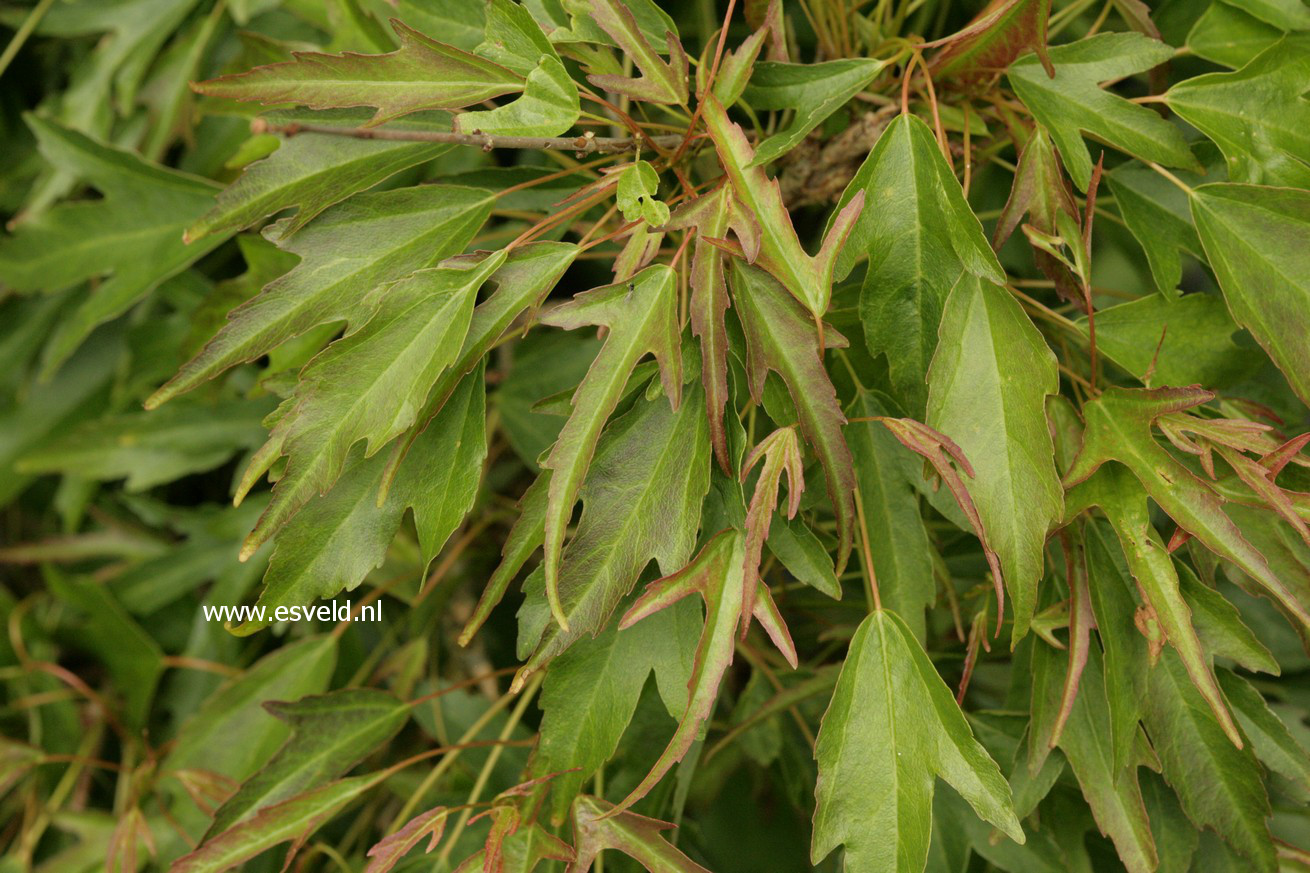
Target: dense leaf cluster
pixel 865 435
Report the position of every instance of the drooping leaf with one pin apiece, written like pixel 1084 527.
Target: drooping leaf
pixel 892 728
pixel 781 339
pixel 1258 115
pixel 133 236
pixel 1072 102
pixel 764 228
pixel 368 386
pixel 987 391
pixel 812 91
pixel 1258 241
pixel 1218 783
pixel 1002 31
pixel 920 237
pixel 716 575
pixel 336 540
pixel 642 500
pixel 330 733
pixel 781 454
pixel 898 540
pixel 642 319
pixel 709 215
pixel 351 250
pixel 638 837
pixel 1040 192
pixel 422 74
pixel 312 171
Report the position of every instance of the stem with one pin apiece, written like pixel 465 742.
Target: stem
pixel 1170 176
pixel 510 723
pixel 582 145
pixel 24 31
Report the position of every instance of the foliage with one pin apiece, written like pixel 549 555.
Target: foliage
pixel 617 354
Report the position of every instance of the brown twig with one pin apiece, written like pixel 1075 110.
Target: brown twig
pixel 582 145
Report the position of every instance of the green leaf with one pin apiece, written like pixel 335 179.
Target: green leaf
pixel 549 106
pixel 513 38
pixel 237 710
pixel 920 237
pixel 388 851
pixel 291 820
pixel 1270 739
pixel 133 236
pixel 337 539
pixel 898 541
pixel 1164 339
pixel 763 224
pixel 592 690
pixel 1114 606
pixel 709 216
pixel 642 500
pixel 368 386
pixel 716 575
pixel 811 91
pixel 1258 115
pixel 1112 792
pixel 312 171
pixel 1220 627
pixel 1072 102
pixel 421 74
pixel 997 35
pixel 1219 784
pixel 801 553
pixel 133 658
pixel 1230 36
pixel 1158 214
pixel 347 254
pixel 330 733
pixel 637 194
pixel 527 275
pixel 781 339
pixel 150 449
pixel 661 81
pixel 1123 500
pixel 1284 14
pixel 596 827
pixel 891 728
pixel 1119 425
pixel 642 319
pixel 1258 241
pixel 987 391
